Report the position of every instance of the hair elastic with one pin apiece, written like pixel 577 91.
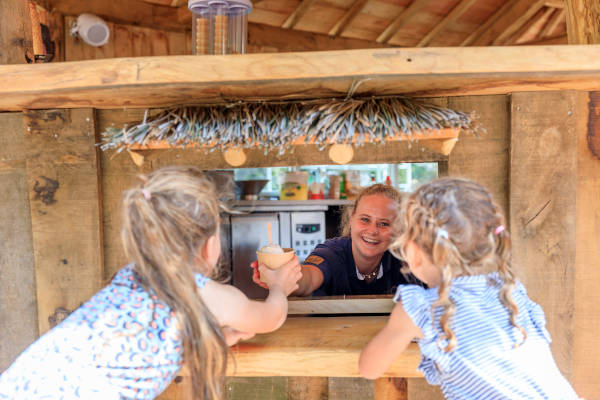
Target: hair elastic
pixel 146 194
pixel 442 233
pixel 498 230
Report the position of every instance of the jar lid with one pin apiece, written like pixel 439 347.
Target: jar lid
pixel 241 3
pixel 197 5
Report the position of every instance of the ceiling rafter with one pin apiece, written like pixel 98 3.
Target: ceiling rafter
pixel 540 17
pixel 559 39
pixel 519 21
pixel 297 14
pixel 452 16
pixel 343 23
pixel 507 20
pixel 476 34
pixel 555 3
pixel 400 20
pixel 559 16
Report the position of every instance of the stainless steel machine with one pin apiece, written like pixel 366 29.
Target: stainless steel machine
pixel 294 224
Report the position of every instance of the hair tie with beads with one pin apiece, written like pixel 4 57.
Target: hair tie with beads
pixel 441 233
pixel 499 229
pixel 146 194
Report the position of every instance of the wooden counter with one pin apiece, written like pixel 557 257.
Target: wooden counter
pixel 316 346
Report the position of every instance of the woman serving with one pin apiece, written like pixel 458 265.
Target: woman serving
pixel 357 263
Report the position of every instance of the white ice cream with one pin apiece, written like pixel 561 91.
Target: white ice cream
pixel 272 249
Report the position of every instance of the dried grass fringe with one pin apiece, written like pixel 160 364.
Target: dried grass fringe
pixel 275 126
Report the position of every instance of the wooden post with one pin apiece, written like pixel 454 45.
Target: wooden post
pixel 18 314
pixel 64 194
pixel 583 21
pixel 554 197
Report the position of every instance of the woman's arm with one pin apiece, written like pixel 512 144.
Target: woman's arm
pixel 388 344
pixel 312 279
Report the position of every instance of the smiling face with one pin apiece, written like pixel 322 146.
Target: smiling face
pixel 370 226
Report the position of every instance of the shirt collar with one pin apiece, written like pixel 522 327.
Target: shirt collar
pixel 379 274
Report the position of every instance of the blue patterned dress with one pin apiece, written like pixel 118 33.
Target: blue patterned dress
pixel 123 343
pixel 485 364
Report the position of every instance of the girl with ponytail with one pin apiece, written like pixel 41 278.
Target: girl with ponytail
pixel 164 310
pixel 480 335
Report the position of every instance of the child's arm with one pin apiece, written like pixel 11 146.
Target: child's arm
pixel 311 279
pixel 388 344
pixel 232 308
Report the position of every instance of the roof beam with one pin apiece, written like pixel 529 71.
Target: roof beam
pixel 297 14
pixel 518 16
pixel 504 19
pixel 452 16
pixel 400 20
pixel 582 21
pixel 347 19
pixel 558 17
pixel 555 3
pixel 560 39
pixel 541 17
pixel 477 33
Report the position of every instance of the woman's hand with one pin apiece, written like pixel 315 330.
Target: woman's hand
pixel 232 336
pixel 285 277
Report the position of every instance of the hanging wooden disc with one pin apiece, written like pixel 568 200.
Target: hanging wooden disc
pixel 235 157
pixel 341 153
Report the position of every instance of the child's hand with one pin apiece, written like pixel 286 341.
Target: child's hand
pixel 232 336
pixel 256 275
pixel 285 277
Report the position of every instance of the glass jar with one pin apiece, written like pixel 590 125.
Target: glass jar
pixel 202 27
pixel 218 13
pixel 238 25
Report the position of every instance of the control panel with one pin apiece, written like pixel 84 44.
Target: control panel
pixel 308 230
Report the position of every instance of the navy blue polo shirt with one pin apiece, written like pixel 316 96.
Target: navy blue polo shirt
pixel 334 259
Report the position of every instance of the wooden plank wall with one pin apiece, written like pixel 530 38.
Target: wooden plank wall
pixel 64 197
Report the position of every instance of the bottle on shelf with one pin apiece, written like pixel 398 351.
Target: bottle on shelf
pixel 388 181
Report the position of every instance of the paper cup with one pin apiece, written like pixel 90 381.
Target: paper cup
pixel 274 261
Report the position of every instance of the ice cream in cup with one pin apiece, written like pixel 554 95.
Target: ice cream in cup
pixel 274 256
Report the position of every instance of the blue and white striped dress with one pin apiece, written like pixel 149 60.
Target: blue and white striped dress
pixel 485 363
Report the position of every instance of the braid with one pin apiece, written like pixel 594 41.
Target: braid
pixel 455 223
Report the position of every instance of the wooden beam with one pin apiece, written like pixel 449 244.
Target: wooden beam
pixel 298 13
pixel 452 16
pixel 269 39
pixel 533 25
pixel 583 21
pixel 558 17
pixel 289 351
pixel 560 39
pixel 136 12
pixel 515 19
pixel 405 16
pixel 341 25
pixel 188 80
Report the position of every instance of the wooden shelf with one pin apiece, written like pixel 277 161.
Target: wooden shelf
pixel 187 80
pixel 315 346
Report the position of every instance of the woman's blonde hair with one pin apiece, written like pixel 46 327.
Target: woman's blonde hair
pixel 385 190
pixel 166 222
pixel 456 223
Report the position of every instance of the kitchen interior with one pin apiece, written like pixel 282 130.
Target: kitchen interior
pixel 303 205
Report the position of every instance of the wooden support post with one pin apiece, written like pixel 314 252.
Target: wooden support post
pixel 554 194
pixel 18 313
pixel 583 21
pixel 64 194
